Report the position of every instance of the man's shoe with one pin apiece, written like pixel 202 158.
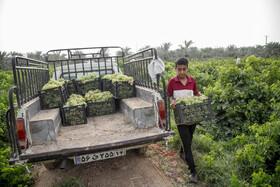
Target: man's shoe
pixel 193 178
pixel 182 156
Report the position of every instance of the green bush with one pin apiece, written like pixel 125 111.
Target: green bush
pixel 234 181
pixel 13 175
pixel 175 142
pixel 261 179
pixel 6 81
pixel 16 174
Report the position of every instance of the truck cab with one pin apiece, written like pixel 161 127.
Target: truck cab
pixel 38 135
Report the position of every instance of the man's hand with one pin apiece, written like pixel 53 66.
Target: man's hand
pixel 173 103
pixel 203 96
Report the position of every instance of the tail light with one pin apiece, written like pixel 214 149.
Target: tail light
pixel 21 133
pixel 162 117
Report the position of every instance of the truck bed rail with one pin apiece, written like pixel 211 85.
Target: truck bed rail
pixel 74 62
pixel 136 66
pixel 29 76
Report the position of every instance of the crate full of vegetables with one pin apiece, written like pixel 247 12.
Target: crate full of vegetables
pixel 100 103
pixel 122 86
pixel 192 110
pixel 87 83
pixel 74 111
pixel 123 90
pixel 53 94
pixel 107 82
pixel 71 87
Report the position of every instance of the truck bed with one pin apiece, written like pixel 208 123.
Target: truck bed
pixel 99 134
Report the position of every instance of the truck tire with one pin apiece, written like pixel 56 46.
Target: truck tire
pixel 52 165
pixel 142 150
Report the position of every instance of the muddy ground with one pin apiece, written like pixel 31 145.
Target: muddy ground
pixel 154 168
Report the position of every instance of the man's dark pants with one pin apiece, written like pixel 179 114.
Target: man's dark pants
pixel 186 135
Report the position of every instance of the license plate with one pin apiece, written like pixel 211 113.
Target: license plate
pixel 99 156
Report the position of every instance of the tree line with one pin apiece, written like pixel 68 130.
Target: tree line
pixel 231 51
pixel 165 52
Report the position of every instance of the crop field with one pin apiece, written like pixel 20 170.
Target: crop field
pixel 241 146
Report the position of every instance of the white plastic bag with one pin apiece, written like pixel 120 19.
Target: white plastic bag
pixel 182 93
pixel 155 67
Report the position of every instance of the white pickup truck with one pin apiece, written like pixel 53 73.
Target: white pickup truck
pixel 37 135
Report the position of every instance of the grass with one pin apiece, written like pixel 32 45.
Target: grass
pixel 70 182
pixel 164 168
pixel 151 153
pixel 215 165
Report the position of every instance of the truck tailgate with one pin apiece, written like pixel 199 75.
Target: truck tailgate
pixel 99 134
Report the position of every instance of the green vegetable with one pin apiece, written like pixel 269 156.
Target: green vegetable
pixel 99 103
pixel 123 90
pixel 107 85
pixel 74 116
pixel 87 83
pixel 85 79
pixel 190 100
pixel 98 96
pixel 51 94
pixel 120 85
pixel 71 87
pixel 108 76
pixel 101 108
pixel 53 84
pixel 75 100
pixel 118 78
pixel 76 113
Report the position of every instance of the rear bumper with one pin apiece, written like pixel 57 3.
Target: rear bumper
pixel 64 153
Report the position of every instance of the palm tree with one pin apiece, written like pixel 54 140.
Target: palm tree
pixel 218 52
pixel 3 57
pixel 145 47
pixel 119 53
pixel 14 53
pixel 38 55
pixel 55 55
pixel 106 52
pixel 127 51
pixel 194 52
pixel 207 52
pixel 259 50
pixel 186 46
pixel 164 48
pixel 272 49
pixel 6 59
pixel 231 51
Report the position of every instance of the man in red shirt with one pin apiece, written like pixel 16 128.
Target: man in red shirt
pixel 183 86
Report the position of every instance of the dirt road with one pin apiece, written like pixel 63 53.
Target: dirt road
pixel 151 169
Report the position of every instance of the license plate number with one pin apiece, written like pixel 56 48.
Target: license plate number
pixel 99 156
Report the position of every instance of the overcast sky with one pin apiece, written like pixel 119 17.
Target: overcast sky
pixel 42 25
